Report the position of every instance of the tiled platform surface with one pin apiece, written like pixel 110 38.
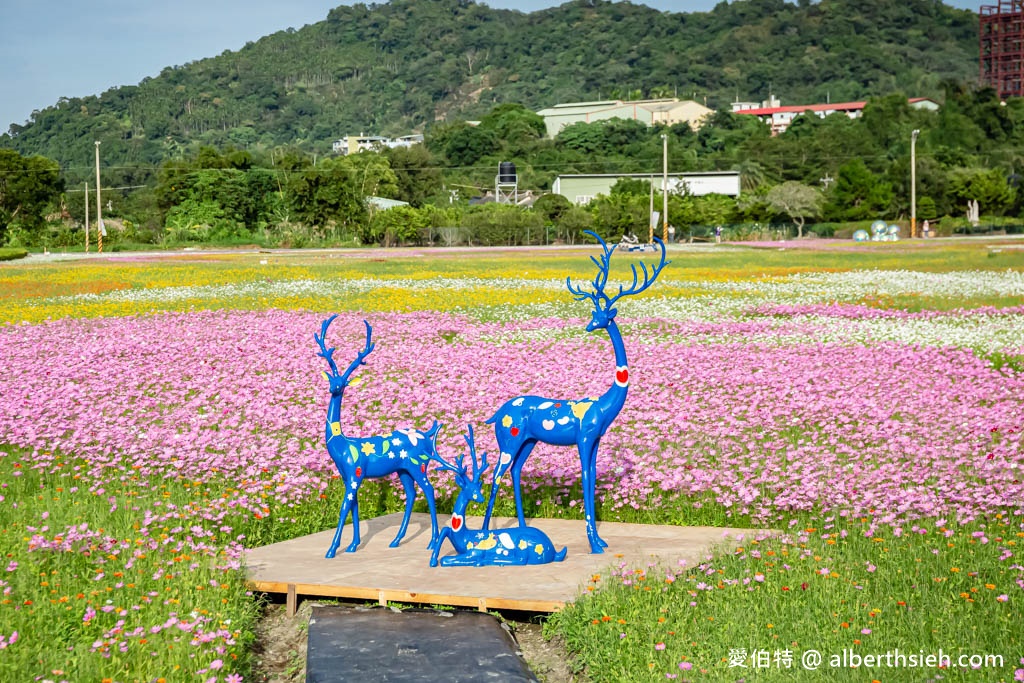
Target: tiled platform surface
pixel 379 573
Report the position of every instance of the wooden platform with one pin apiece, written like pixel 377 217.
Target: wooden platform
pixel 379 573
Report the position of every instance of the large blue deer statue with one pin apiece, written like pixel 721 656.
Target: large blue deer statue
pixel 405 451
pixel 524 420
pixel 477 548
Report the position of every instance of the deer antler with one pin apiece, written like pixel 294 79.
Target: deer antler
pixel 361 357
pixel 326 353
pixel 478 468
pixel 649 277
pixel 601 279
pixel 460 467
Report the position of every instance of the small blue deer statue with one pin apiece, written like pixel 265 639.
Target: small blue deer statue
pixel 405 451
pixel 525 420
pixel 520 545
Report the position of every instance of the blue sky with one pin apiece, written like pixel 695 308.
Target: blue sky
pixel 69 48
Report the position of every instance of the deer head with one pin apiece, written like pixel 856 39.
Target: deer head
pixel 468 483
pixel 604 305
pixel 338 380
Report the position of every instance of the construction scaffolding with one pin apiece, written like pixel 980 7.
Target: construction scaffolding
pixel 1001 47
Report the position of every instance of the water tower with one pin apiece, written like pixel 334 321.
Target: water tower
pixel 506 185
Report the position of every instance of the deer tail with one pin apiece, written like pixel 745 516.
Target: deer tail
pixel 560 555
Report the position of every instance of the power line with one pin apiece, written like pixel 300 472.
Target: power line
pixel 106 189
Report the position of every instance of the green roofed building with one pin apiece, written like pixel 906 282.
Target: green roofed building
pixel 650 112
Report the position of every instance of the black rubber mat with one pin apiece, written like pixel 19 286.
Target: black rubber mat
pixel 381 644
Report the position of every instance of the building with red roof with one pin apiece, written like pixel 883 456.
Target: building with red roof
pixel 779 117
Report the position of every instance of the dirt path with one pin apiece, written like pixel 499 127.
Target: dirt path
pixel 281 648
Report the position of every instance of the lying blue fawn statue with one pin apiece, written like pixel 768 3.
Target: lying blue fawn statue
pixel 405 451
pixel 523 421
pixel 477 548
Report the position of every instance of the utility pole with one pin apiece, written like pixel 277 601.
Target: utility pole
pixel 664 188
pixel 99 207
pixel 650 215
pixel 87 218
pixel 913 182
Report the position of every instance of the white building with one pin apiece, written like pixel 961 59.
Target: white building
pixel 779 117
pixel 581 188
pixel 354 144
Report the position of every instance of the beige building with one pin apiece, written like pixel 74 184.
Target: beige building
pixel 649 112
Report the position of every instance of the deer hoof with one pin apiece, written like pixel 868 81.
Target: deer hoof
pixel 330 553
pixel 352 548
pixel 394 543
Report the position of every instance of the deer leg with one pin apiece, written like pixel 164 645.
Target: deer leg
pixel 468 559
pixel 518 460
pixel 593 490
pixel 336 541
pixel 445 533
pixel 517 469
pixel 587 472
pixel 410 499
pixel 428 493
pixel 355 523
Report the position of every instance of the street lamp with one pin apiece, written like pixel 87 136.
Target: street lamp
pixel 99 210
pixel 913 182
pixel 664 188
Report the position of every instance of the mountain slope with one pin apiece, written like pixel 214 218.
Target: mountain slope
pixel 399 66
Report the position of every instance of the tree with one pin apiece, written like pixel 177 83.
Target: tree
pixel 858 194
pixel 417 175
pixel 796 200
pixel 28 185
pixel 988 187
pixel 325 194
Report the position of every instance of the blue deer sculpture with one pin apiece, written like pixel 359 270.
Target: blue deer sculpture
pixel 520 423
pixel 476 548
pixel 405 451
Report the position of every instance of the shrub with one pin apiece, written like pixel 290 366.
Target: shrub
pixel 12 253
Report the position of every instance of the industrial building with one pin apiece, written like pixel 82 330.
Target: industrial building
pixel 1001 47
pixel 650 112
pixel 582 188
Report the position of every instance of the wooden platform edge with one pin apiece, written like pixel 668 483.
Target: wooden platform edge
pixel 385 595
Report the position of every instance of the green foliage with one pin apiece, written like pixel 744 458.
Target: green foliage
pixel 988 187
pixel 400 66
pixel 797 201
pixel 324 196
pixel 28 186
pixel 401 224
pixel 497 224
pixel 12 253
pixel 858 194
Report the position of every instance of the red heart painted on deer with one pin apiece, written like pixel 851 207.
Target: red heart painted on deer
pixel 359 471
pixel 622 376
pixel 423 468
pixel 514 431
pixel 456 522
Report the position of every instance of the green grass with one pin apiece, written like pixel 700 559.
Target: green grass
pixel 827 588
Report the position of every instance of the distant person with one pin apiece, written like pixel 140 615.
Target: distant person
pixel 718 234
pixel 671 233
pixel 924 228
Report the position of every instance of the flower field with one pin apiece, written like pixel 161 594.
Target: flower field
pixel 159 417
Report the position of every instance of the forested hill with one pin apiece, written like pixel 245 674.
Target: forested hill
pixel 398 67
